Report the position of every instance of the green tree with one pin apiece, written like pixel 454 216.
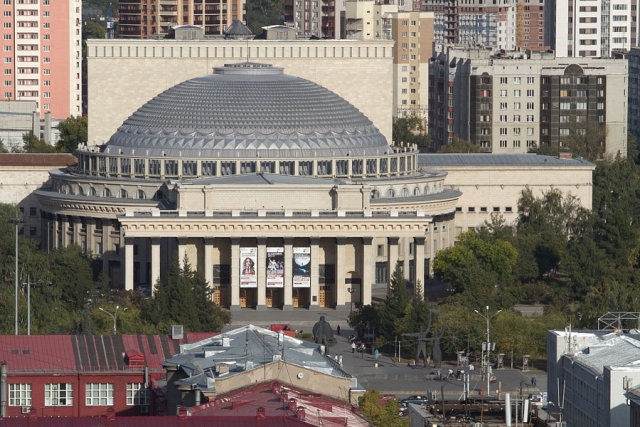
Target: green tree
pixel 587 137
pixel 379 414
pixel 395 305
pixel 410 130
pixel 73 131
pixel 261 13
pixel 459 145
pixel 33 144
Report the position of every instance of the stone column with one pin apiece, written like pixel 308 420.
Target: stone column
pixel 314 243
pixel 128 263
pixel 262 274
pixel 208 261
pixel 142 259
pixel 64 228
pixel 392 258
pixel 75 233
pixel 340 287
pixel 406 245
pixel 155 262
pixel 106 230
pixel 182 250
pixel 235 274
pixel 91 228
pixel 288 273
pixel 368 267
pixel 418 261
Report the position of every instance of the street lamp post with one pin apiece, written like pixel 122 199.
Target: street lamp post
pixel 488 363
pixel 16 222
pixel 351 291
pixel 114 316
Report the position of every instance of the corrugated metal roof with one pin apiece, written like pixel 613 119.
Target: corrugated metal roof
pixel 167 421
pixel 87 353
pixel 487 159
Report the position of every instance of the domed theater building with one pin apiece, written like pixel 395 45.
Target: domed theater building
pixel 279 191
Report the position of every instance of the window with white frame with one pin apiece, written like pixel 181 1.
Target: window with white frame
pixel 529 117
pixel 516 131
pixel 19 394
pixel 58 394
pixel 530 80
pixel 516 105
pixel 137 394
pixel 503 93
pixel 503 105
pixel 503 80
pixel 530 92
pixel 516 144
pixel 99 394
pixel 516 80
pixel 529 131
pixel 503 144
pixel 530 106
pixel 516 93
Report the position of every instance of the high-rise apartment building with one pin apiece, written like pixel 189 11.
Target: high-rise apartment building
pixel 590 28
pixel 42 54
pixel 413 34
pixel 508 104
pixel 634 92
pixel 315 18
pixel 142 19
pixel 501 24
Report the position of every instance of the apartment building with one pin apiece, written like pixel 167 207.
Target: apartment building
pixel 501 24
pixel 590 30
pixel 634 92
pixel 413 34
pixel 510 103
pixel 41 54
pixel 315 18
pixel 142 19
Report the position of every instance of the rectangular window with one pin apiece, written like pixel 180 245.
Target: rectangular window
pixel 565 105
pixel 516 105
pixel 503 93
pixel 531 80
pixel 99 394
pixel 503 118
pixel 503 144
pixel 58 394
pixel 19 394
pixel 503 131
pixel 516 144
pixel 137 394
pixel 516 119
pixel 503 105
pixel 581 105
pixel 530 93
pixel 530 106
pixel 516 131
pixel 529 118
pixel 503 80
pixel 529 131
pixel 516 93
pixel 516 80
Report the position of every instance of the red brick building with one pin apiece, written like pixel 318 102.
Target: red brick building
pixel 83 375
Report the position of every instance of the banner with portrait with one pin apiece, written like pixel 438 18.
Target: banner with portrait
pixel 302 267
pixel 248 267
pixel 275 267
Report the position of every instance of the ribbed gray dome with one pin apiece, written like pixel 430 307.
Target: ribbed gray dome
pixel 247 110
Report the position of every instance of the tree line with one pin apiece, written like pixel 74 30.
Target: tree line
pixel 579 263
pixel 68 289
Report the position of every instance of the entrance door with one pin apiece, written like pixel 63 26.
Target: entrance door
pixel 248 297
pixel 324 296
pixel 243 297
pixel 301 297
pixel 221 296
pixel 274 297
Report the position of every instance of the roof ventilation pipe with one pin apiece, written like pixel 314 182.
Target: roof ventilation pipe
pixel 226 342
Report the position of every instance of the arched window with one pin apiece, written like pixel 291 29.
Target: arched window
pixel 122 194
pixel 426 190
pixel 375 194
pixel 404 193
pixel 106 192
pixel 92 191
pixel 80 191
pixel 140 194
pixel 416 191
pixel 391 193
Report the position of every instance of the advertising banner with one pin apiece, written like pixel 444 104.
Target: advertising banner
pixel 301 267
pixel 275 267
pixel 248 267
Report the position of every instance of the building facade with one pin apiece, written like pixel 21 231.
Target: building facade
pixel 594 372
pixel 143 19
pixel 41 51
pixel 298 177
pixel 314 18
pixel 592 30
pixel 20 117
pixel 634 92
pixel 513 103
pixel 492 184
pixel 359 64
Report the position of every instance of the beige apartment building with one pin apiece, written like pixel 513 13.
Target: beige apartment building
pixel 511 103
pixel 414 37
pixel 142 19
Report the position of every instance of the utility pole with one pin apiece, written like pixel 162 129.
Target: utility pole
pixel 488 362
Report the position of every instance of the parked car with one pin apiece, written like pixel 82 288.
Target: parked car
pixel 389 397
pixel 418 398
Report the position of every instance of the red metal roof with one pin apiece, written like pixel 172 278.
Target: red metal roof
pixel 89 353
pixel 174 421
pixel 37 159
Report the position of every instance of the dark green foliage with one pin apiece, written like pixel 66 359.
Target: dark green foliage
pixel 459 145
pixel 33 144
pixel 73 131
pixel 410 130
pixel 261 13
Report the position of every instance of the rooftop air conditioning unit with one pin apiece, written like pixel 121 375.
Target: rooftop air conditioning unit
pixel 176 332
pixel 26 409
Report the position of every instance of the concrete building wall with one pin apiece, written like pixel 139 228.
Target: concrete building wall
pixel 136 71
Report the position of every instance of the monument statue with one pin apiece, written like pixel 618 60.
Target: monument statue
pixel 322 334
pixel 423 340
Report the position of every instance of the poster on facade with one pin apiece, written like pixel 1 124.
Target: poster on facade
pixel 248 267
pixel 301 267
pixel 275 267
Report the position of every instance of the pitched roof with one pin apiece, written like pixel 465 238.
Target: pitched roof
pixel 37 159
pixel 89 353
pixel 237 28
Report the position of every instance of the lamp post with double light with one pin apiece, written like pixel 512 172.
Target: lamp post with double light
pixel 488 362
pixel 114 316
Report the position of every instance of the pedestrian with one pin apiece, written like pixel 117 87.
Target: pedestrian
pixel 338 329
pixel 535 381
pixel 532 380
pixel 336 358
pixel 376 353
pixel 353 347
pixel 439 375
pixel 340 360
pixel 428 361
